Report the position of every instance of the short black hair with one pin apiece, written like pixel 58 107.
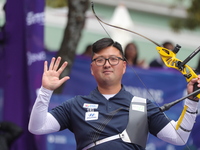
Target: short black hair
pixel 104 43
pixel 167 43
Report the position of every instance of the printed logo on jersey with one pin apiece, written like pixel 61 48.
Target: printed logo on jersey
pixel 91 116
pixel 90 106
pixel 138 107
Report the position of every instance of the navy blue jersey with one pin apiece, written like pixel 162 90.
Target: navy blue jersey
pixel 93 117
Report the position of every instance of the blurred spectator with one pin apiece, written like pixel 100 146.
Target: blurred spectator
pixel 131 54
pixel 9 132
pixel 88 51
pixel 157 62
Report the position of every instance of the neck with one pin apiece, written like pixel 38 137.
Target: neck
pixel 109 89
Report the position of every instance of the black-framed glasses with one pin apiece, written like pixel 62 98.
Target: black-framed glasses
pixel 113 60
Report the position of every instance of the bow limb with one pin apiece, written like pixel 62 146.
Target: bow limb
pixel 122 28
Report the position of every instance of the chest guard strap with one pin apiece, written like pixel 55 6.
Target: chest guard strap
pixel 137 129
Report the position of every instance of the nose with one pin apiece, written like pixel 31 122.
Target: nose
pixel 107 63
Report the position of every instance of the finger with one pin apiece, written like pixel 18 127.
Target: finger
pixel 198 81
pixel 56 65
pixel 64 79
pixel 45 66
pixel 52 63
pixel 193 81
pixel 60 70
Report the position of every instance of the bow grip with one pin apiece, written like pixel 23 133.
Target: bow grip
pixel 195 87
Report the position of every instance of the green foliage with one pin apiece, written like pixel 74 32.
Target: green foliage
pixel 192 21
pixel 56 3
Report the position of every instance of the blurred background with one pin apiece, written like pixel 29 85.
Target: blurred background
pixel 34 30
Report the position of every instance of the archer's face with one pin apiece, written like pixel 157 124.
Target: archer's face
pixel 108 74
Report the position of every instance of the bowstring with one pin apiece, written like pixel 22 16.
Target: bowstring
pixel 100 22
pixel 104 29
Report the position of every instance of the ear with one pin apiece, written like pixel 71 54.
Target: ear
pixel 124 68
pixel 91 69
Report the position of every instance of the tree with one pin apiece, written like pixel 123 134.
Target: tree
pixel 72 32
pixel 192 21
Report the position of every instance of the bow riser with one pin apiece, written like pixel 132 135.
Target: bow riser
pixel 170 60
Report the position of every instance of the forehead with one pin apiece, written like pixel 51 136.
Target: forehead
pixel 108 51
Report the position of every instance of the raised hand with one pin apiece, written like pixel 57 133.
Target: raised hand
pixel 50 79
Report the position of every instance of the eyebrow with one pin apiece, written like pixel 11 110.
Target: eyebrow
pixel 104 56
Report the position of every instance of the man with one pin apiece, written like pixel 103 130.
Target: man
pixel 101 120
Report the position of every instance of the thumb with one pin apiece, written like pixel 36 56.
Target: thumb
pixel 64 79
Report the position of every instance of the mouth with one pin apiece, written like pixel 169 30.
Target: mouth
pixel 107 71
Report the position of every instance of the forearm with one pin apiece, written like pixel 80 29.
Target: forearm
pixel 42 122
pixel 178 132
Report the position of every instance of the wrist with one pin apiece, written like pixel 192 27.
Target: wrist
pixel 192 105
pixel 194 99
pixel 45 91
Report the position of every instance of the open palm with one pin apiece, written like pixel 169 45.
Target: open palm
pixel 50 79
